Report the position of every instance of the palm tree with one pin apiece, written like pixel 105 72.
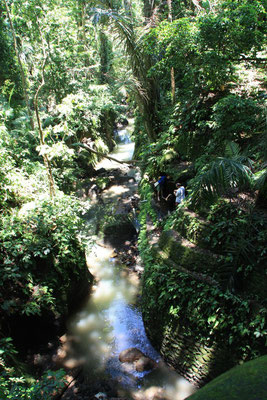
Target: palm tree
pixel 260 183
pixel 145 88
pixel 224 173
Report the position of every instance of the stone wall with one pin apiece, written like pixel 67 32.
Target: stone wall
pixel 175 340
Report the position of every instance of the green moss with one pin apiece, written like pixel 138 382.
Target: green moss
pixel 186 254
pixel 246 382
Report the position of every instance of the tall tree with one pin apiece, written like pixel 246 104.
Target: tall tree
pixel 22 73
pixel 41 134
pixel 169 2
pixel 145 88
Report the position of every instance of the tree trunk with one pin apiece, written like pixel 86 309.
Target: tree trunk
pixel 104 57
pixel 41 134
pixel 169 2
pixel 22 73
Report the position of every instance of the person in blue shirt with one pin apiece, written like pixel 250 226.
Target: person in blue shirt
pixel 179 194
pixel 160 185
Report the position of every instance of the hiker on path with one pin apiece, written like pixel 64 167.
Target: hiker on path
pixel 160 185
pixel 179 193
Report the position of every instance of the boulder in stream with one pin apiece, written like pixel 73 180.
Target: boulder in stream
pixel 144 364
pixel 130 355
pixel 140 360
pixel 152 393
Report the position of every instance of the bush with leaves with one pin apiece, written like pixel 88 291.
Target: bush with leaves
pixel 16 383
pixel 204 313
pixel 220 175
pixel 40 254
pixel 84 115
pixel 235 118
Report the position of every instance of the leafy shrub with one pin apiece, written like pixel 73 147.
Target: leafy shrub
pixel 206 313
pixel 239 236
pixel 40 248
pixel 234 118
pixel 14 385
pixel 84 115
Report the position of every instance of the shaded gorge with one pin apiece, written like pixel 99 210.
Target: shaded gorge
pixel 110 321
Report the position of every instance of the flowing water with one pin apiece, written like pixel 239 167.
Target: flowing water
pixel 111 321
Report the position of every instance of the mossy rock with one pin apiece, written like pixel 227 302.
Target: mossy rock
pixel 118 231
pixel 193 227
pixel 246 382
pixel 186 254
pixel 102 182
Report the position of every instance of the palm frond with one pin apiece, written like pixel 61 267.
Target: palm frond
pixel 218 177
pixel 232 150
pixel 260 179
pixel 146 89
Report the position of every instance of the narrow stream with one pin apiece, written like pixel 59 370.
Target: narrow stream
pixel 111 322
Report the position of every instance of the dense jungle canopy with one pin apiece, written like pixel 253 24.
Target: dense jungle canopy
pixel 192 74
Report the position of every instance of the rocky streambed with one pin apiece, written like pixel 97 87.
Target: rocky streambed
pixel 105 351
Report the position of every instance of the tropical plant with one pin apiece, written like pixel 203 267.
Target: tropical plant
pixel 44 235
pixel 219 176
pixel 145 88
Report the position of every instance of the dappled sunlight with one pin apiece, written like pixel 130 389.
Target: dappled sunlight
pixel 104 293
pixel 111 322
pixel 116 191
pixel 164 382
pixel 123 151
pixel 88 323
pixel 95 258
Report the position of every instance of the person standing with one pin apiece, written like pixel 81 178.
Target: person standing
pixel 179 193
pixel 160 185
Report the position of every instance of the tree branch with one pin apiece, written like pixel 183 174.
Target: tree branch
pixel 88 148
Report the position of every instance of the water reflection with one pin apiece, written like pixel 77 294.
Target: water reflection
pixel 111 322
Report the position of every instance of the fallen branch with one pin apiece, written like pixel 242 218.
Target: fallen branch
pixel 88 148
pixel 70 382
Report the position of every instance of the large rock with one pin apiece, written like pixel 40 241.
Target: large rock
pixel 144 364
pixel 119 231
pixel 152 393
pixel 130 355
pixel 140 360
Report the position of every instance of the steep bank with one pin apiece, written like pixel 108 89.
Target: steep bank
pixel 199 313
pixel 111 322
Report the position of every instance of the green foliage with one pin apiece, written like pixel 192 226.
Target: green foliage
pixel 234 29
pixel 9 79
pixel 234 233
pixel 239 236
pixel 204 312
pixel 13 385
pixel 81 115
pixel 246 381
pixel 235 118
pixel 39 249
pixel 218 177
pixel 174 46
